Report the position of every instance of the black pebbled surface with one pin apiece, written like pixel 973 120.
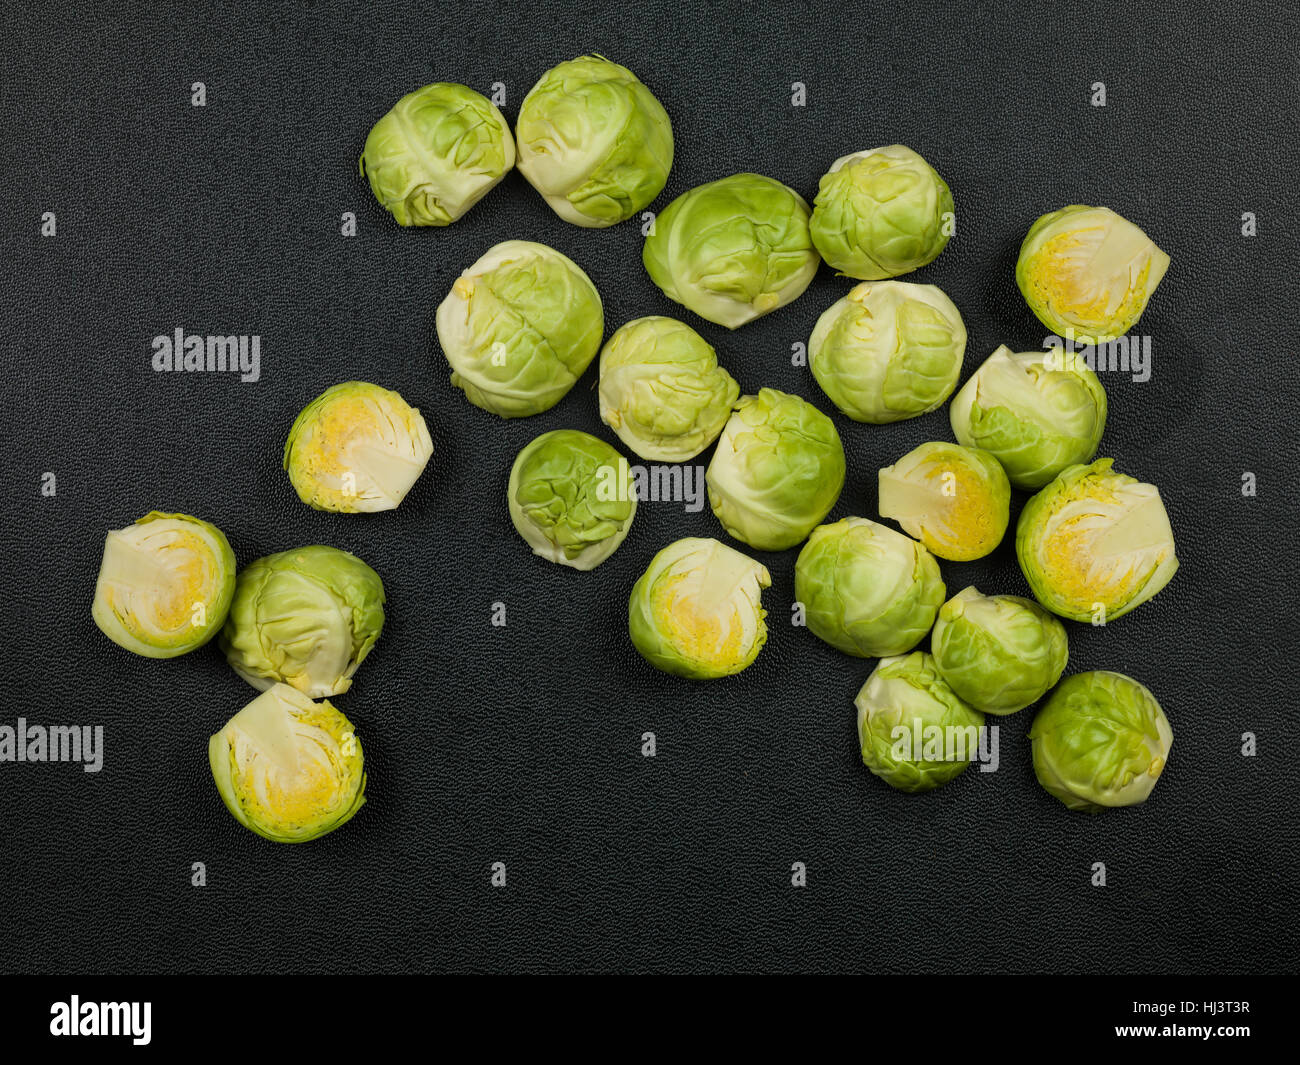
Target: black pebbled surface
pixel 521 745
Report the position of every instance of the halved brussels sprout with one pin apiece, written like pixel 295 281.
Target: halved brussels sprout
pixel 572 498
pixel 662 390
pixel 436 154
pixel 1038 412
pixel 1000 653
pixel 732 250
pixel 954 499
pixel 881 213
pixel 289 769
pixel 697 610
pixel 867 590
pixel 777 471
pixel 1101 740
pixel 594 141
pixel 306 618
pixel 1087 273
pixel 519 327
pixel 165 584
pixel 888 350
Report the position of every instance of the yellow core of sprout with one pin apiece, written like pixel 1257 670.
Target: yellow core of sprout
pixel 1074 282
pixel 945 505
pixel 699 626
pixel 159 577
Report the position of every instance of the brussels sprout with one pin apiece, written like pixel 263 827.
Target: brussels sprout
pixel 1100 741
pixel 777 471
pixel 662 390
pixel 289 769
pixel 436 154
pixel 866 589
pixel 888 350
pixel 1094 543
pixel 519 327
pixel 732 250
pixel 881 213
pixel 306 618
pixel 164 584
pixel 572 498
pixel 1036 411
pixel 594 141
pixel 954 499
pixel 1000 653
pixel 1087 273
pixel 697 610
pixel 915 731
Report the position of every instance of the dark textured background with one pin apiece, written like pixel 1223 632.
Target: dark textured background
pixel 521 744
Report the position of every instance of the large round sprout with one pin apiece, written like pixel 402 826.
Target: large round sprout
pixel 1087 273
pixel 777 470
pixel 867 590
pixel 1037 412
pixel 697 611
pixel 732 250
pixel 519 327
pixel 289 769
pixel 306 618
pixel 1000 653
pixel 888 350
pixel 571 496
pixel 881 213
pixel 436 154
pixel 594 141
pixel 1101 740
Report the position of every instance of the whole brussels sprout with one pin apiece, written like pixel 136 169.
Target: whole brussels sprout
pixel 888 350
pixel 306 618
pixel 915 732
pixel 662 390
pixel 164 584
pixel 867 590
pixel 881 213
pixel 1101 740
pixel 732 250
pixel 519 327
pixel 697 610
pixel 1037 412
pixel 777 471
pixel 289 769
pixel 1087 273
pixel 1094 543
pixel 436 154
pixel 571 498
pixel 594 141
pixel 1000 653
pixel 954 499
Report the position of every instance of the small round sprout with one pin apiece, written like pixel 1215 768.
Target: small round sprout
pixel 164 585
pixel 867 590
pixel 1094 543
pixel 915 732
pixel 697 610
pixel 662 390
pixel 881 213
pixel 306 618
pixel 572 497
pixel 289 769
pixel 1101 740
pixel 594 142
pixel 888 350
pixel 1037 412
pixel 1000 653
pixel 732 250
pixel 954 499
pixel 777 471
pixel 519 327
pixel 436 154
pixel 1087 273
